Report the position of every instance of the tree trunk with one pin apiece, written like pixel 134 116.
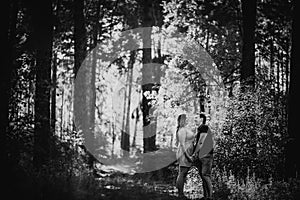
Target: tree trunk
pixel 282 70
pixel 126 135
pixel 84 89
pixel 13 105
pixel 53 94
pixel 92 104
pixel 56 12
pixel 287 65
pixel 149 135
pixel 130 65
pixel 62 114
pixel 271 60
pixel 292 164
pixel 248 49
pixel 80 40
pixel 80 45
pixel 41 13
pixel 5 75
pixel 278 76
pixel 123 129
pixel 207 40
pixel 248 66
pixel 135 126
pixel 287 71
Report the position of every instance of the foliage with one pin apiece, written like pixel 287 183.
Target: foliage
pixel 227 186
pixel 253 136
pixel 65 176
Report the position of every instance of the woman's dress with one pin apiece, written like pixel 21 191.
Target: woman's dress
pixel 188 138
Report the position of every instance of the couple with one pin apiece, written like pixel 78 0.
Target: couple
pixel 194 149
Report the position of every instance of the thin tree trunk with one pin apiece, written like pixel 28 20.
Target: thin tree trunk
pixel 5 76
pixel 282 71
pixel 80 39
pixel 53 94
pixel 62 114
pixel 282 99
pixel 123 130
pixel 248 49
pixel 278 76
pixel 271 60
pixel 287 65
pixel 113 132
pixel 149 135
pixel 54 71
pixel 207 40
pixel 12 56
pixel 292 164
pixel 126 141
pixel 43 36
pixel 135 127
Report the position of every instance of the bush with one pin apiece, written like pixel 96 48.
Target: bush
pixel 253 138
pixel 227 186
pixel 66 176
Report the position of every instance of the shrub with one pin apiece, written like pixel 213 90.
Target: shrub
pixel 227 186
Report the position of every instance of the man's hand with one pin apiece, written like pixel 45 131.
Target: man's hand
pixel 194 157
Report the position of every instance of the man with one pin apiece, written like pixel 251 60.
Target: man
pixel 203 156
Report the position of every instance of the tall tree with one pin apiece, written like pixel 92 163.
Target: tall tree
pixel 292 164
pixel 80 34
pixel 53 93
pixel 56 33
pixel 84 89
pixel 248 68
pixel 95 35
pixel 41 13
pixel 149 136
pixel 8 20
pixel 132 22
pixel 248 48
pixel 5 75
pixel 126 137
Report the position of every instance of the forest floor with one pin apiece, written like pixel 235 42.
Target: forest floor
pixel 135 187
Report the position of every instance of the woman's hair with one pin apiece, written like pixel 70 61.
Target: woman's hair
pixel 181 116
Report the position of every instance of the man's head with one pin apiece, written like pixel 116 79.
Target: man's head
pixel 197 120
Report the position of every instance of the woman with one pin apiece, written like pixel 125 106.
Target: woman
pixel 185 139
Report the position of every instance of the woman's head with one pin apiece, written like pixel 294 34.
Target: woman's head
pixel 181 120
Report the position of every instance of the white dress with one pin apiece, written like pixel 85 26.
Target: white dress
pixel 186 136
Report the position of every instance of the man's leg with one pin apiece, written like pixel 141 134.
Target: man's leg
pixel 182 173
pixel 198 164
pixel 206 175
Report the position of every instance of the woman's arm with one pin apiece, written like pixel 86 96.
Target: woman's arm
pixel 182 137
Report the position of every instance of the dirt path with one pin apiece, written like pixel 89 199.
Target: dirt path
pixel 123 187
